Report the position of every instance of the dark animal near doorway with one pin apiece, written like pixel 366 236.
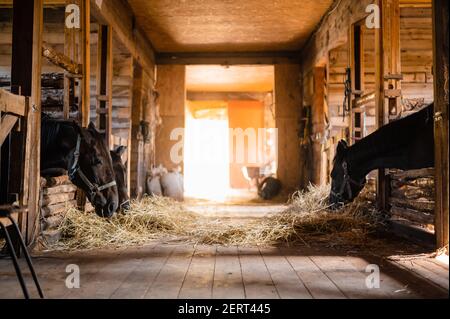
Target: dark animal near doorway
pixel 405 144
pixel 269 188
pixel 81 152
pixel 121 178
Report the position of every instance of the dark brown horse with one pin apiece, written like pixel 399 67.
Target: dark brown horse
pixel 121 177
pixel 66 148
pixel 404 144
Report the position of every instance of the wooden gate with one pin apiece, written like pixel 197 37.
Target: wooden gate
pixel 13 112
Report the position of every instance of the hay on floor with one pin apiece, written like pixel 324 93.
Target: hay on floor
pixel 306 219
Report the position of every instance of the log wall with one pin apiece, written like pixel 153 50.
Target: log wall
pixel 57 196
pixel 411 194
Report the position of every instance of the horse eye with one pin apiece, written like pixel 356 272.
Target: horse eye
pixel 96 161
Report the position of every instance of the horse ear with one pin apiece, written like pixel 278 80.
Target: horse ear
pixel 92 128
pixel 342 146
pixel 120 150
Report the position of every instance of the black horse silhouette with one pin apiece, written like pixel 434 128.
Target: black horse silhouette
pixel 68 148
pixel 404 144
pixel 121 177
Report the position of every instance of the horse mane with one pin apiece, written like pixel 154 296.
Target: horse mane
pixel 50 129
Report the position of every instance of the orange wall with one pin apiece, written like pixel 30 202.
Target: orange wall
pixel 243 114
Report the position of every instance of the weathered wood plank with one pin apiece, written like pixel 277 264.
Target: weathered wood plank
pixel 57 198
pixel 12 103
pixel 111 272
pixel 228 281
pixel 61 60
pixel 419 269
pixel 413 215
pixel 7 124
pixel 413 174
pixel 317 283
pixel 288 284
pixel 441 128
pixel 257 281
pixel 390 281
pixel 170 280
pixel 198 283
pixel 67 188
pixel 85 11
pixel 57 209
pixel 142 277
pixel 350 281
pixel 420 204
pixel 56 181
pixel 26 73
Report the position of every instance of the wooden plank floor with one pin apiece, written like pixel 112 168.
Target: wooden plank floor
pixel 186 271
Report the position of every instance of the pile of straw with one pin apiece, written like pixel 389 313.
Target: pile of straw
pixel 306 220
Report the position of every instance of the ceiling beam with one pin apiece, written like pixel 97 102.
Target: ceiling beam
pixel 229 58
pixel 118 14
pixel 47 3
pixel 226 96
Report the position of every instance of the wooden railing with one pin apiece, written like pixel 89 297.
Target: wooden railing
pixel 13 106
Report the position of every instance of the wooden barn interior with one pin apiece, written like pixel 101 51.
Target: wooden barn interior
pixel 169 79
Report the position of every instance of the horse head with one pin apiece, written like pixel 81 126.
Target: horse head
pixel 346 181
pixel 91 169
pixel 121 177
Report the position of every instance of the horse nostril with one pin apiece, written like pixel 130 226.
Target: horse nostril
pixel 111 208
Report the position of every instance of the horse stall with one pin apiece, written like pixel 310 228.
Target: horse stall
pixel 215 150
pixel 411 193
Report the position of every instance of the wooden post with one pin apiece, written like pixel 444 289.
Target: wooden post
pixel 356 56
pixel 288 103
pixel 318 122
pixel 85 94
pixel 69 51
pixel 441 105
pixel 172 87
pixel 136 183
pixel 85 11
pixel 26 73
pixel 387 69
pixel 104 82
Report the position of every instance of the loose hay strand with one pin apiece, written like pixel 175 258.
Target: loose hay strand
pixel 306 219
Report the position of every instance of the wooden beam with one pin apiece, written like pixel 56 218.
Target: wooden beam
pixel 12 103
pixel 441 105
pixel 228 58
pixel 136 140
pixel 118 15
pixel 318 124
pixel 288 101
pixel 104 82
pixel 70 49
pixel 47 3
pixel 26 73
pixel 387 61
pixel 61 60
pixel 8 121
pixel 226 96
pixel 85 11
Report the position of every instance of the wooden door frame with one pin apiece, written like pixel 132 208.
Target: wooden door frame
pixel 387 74
pixel 440 9
pixel 356 62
